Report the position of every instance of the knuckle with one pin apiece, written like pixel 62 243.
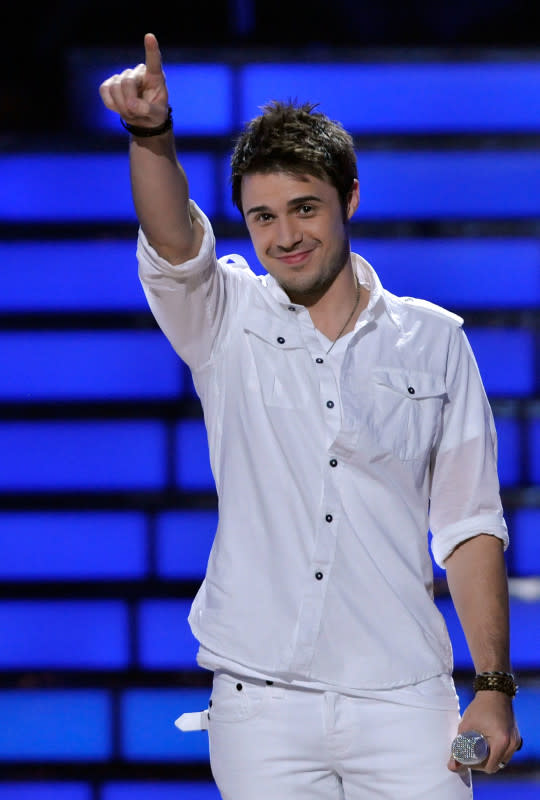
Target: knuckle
pixel 114 82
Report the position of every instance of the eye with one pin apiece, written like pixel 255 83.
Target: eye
pixel 263 217
pixel 306 209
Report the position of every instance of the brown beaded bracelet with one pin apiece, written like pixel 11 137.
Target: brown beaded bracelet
pixel 495 682
pixel 137 130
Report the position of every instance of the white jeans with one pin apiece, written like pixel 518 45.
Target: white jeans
pixel 269 742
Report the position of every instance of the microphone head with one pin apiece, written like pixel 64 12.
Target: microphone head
pixel 470 748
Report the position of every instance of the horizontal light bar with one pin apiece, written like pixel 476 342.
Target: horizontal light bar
pixel 39 187
pixel 385 97
pixel 200 95
pixel 101 275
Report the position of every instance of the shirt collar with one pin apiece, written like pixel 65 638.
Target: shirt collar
pixel 379 298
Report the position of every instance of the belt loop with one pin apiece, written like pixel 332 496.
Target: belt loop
pixel 330 710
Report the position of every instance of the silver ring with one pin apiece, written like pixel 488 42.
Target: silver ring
pixel 501 765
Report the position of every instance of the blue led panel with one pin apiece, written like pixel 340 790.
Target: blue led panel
pixel 200 95
pixel 82 275
pixel 39 725
pixel 192 460
pixel 82 455
pixel 534 439
pixel 45 791
pixel 70 634
pixel 463 184
pixel 525 541
pixel 429 185
pixel 75 187
pixel 403 97
pixel 158 791
pixel 523 619
pixel 67 545
pixel 527 708
pixel 87 364
pixel 458 273
pixel 505 359
pixel 148 730
pixel 184 540
pixel 509 450
pixel 165 638
pixel 509 789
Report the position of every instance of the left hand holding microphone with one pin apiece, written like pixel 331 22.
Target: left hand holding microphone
pixel 490 715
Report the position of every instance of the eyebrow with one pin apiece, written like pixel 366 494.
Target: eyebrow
pixel 296 201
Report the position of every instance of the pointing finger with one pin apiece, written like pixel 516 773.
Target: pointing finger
pixel 152 54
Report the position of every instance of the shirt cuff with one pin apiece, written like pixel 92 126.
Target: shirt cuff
pixel 445 541
pixel 150 261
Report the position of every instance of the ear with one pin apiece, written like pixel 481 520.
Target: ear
pixel 353 200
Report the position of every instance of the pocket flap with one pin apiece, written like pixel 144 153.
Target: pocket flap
pixel 277 333
pixel 411 383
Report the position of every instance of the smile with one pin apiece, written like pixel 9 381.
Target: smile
pixel 296 258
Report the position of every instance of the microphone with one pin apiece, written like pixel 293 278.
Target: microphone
pixel 470 748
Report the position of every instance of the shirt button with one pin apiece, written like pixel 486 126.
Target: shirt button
pixel 410 390
pixel 319 360
pixel 292 308
pixel 239 687
pixel 281 340
pixel 333 462
pixel 330 404
pixel 319 576
pixel 329 518
pixel 271 683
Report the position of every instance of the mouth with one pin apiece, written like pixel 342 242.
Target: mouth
pixel 295 258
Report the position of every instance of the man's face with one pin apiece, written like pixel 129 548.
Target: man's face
pixel 297 229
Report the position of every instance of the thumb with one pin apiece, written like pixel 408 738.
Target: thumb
pixel 152 55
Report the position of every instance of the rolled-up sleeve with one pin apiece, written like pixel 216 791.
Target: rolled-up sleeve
pixel 465 494
pixel 188 300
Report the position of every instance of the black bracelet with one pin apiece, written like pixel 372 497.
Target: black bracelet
pixel 496 682
pixel 137 130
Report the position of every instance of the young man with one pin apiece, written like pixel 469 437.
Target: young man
pixel 338 416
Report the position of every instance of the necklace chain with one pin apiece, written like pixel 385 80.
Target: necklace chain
pixel 350 315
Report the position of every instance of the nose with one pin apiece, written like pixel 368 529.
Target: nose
pixel 288 235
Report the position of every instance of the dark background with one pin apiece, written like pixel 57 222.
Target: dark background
pixel 39 37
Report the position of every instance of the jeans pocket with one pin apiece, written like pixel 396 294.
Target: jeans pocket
pixel 235 699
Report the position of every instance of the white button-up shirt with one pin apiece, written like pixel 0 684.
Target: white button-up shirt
pixel 329 470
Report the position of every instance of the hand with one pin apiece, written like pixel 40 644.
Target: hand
pixel 139 95
pixel 492 715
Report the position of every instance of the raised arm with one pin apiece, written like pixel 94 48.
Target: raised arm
pixel 159 184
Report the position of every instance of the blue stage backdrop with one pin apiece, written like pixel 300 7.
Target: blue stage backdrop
pixel 107 500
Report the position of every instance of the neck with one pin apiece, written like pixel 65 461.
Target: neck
pixel 335 313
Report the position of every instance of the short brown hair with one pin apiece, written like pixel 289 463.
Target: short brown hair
pixel 291 138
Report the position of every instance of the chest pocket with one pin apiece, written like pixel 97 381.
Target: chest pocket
pixel 407 407
pixel 281 364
